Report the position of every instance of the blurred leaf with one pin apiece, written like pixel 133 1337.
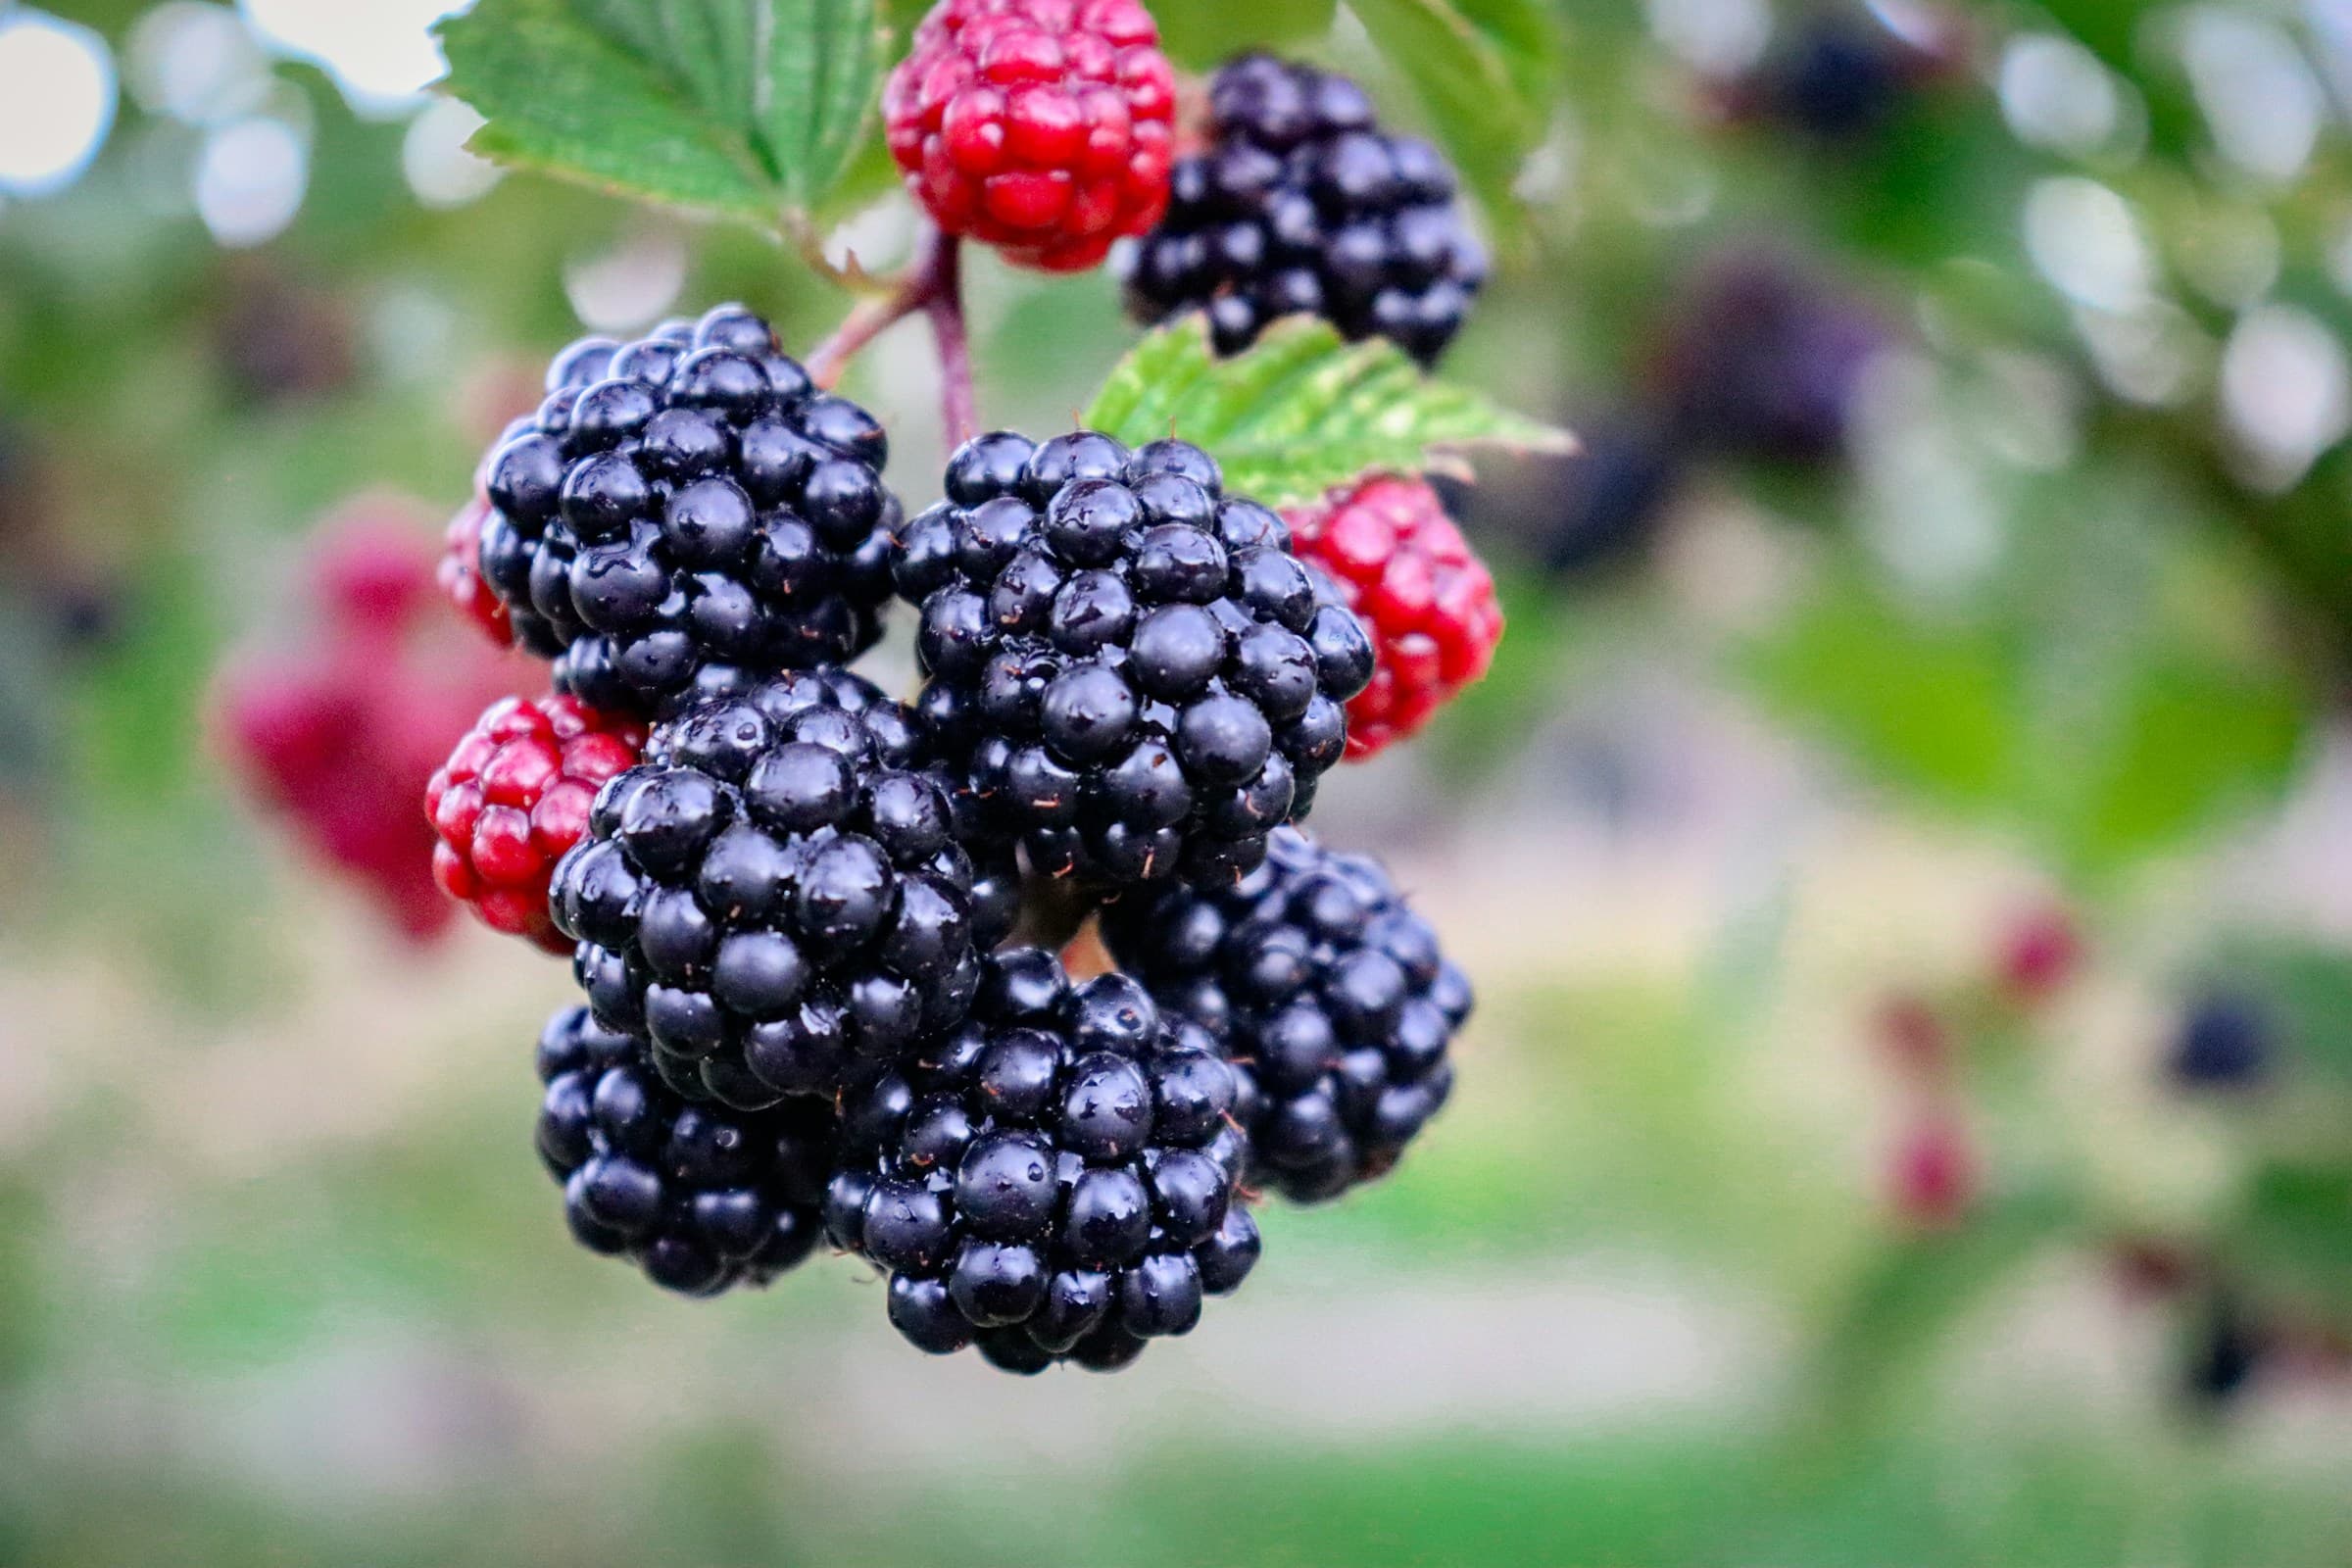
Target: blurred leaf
pixel 1486 71
pixel 1911 1294
pixel 1303 410
pixel 1921 703
pixel 2296 1231
pixel 1201 35
pixel 752 109
pixel 2093 695
pixel 2308 987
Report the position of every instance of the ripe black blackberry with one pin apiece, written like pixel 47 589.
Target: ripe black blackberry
pixel 1302 206
pixel 1053 1179
pixel 1129 672
pixel 777 892
pixel 1329 994
pixel 701 1197
pixel 688 500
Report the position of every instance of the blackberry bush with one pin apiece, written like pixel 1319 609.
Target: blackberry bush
pixel 702 1197
pixel 1054 1180
pixel 1039 126
pixel 685 501
pixel 776 894
pixel 1328 992
pixel 1301 204
pixel 1128 671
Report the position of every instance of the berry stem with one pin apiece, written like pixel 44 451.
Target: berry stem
pixel 933 284
pixel 945 309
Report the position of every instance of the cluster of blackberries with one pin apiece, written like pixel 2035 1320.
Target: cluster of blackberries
pixel 790 901
pixel 1301 206
pixel 687 501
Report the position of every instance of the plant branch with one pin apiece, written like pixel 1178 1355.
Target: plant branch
pixel 932 284
pixel 957 405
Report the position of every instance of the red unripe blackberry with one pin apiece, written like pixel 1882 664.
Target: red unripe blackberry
pixel 1933 1177
pixel 2039 955
pixel 460 573
pixel 1410 577
pixel 370 571
pixel 1039 126
pixel 514 795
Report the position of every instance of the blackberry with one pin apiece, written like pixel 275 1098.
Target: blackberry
pixel 1329 996
pixel 2227 1042
pixel 701 1197
pixel 1128 671
pixel 1302 206
pixel 775 894
pixel 1053 1179
pixel 685 501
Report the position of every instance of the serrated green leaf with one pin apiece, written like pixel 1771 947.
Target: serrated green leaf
pixel 1486 71
pixel 1302 409
pixel 747 109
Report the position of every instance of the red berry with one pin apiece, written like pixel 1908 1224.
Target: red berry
pixel 1933 1179
pixel 337 735
pixel 1039 126
pixel 2038 954
pixel 460 572
pixel 371 569
pixel 514 797
pixel 1429 603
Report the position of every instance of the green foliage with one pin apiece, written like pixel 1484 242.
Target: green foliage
pixel 1201 35
pixel 1303 410
pixel 748 109
pixel 2082 699
pixel 1488 73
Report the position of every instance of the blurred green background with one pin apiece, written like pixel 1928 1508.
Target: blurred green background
pixel 1904 850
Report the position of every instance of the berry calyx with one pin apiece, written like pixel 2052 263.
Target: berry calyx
pixel 514 797
pixel 1302 205
pixel 1427 600
pixel 1043 128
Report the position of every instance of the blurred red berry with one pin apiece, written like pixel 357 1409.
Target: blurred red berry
pixel 337 736
pixel 1914 1038
pixel 1043 128
pixel 1427 601
pixel 2038 954
pixel 371 568
pixel 1933 1177
pixel 514 795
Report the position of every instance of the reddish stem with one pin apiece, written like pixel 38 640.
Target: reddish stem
pixel 956 404
pixel 932 284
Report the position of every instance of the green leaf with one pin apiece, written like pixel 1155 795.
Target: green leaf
pixel 1486 71
pixel 747 109
pixel 1199 35
pixel 1302 409
pixel 2296 1232
pixel 1909 1296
